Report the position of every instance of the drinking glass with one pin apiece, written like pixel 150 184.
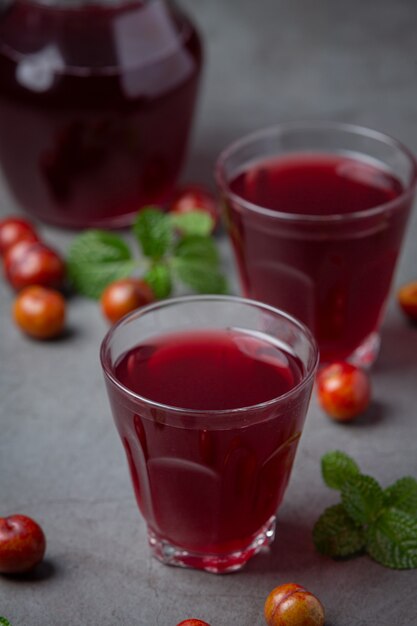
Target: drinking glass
pixel 208 482
pixel 331 265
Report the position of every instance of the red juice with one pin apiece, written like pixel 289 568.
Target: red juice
pixel 204 485
pixel 96 102
pixel 332 273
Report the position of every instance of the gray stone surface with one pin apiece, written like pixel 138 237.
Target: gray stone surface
pixel 60 458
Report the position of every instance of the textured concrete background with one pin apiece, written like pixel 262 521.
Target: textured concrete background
pixel 60 458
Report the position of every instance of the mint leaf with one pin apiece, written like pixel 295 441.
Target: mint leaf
pixel 403 495
pixel 336 467
pixel 392 540
pixel 193 223
pixel 336 534
pixel 362 498
pixel 95 259
pixel 201 276
pixel 159 279
pixel 197 249
pixel 4 622
pixel 196 263
pixel 99 246
pixel 153 230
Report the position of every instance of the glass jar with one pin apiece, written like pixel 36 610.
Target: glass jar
pixel 96 103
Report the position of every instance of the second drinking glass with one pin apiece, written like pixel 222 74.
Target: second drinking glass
pixel 316 213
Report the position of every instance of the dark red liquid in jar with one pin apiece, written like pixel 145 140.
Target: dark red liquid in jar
pixel 334 276
pixel 96 103
pixel 203 484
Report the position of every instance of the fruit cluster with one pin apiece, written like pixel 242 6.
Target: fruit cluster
pixel 39 274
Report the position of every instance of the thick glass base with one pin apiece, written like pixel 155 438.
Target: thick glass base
pixel 213 563
pixel 366 354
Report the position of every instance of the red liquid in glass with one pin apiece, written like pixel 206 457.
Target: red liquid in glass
pixel 210 486
pixel 336 276
pixel 96 103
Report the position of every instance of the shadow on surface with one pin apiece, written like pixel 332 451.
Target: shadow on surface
pixel 68 333
pixel 42 572
pixel 374 414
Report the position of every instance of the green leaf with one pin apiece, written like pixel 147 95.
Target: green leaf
pixel 336 534
pixel 153 230
pixel 201 276
pixel 392 540
pixel 95 259
pixel 193 223
pixel 99 246
pixel 362 498
pixel 195 249
pixel 336 467
pixel 4 622
pixel 403 495
pixel 159 279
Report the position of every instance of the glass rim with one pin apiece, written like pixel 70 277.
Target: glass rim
pixel 109 370
pixel 279 129
pixel 184 34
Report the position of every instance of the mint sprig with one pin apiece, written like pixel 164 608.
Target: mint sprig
pixel 382 522
pixel 173 248
pixel 4 622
